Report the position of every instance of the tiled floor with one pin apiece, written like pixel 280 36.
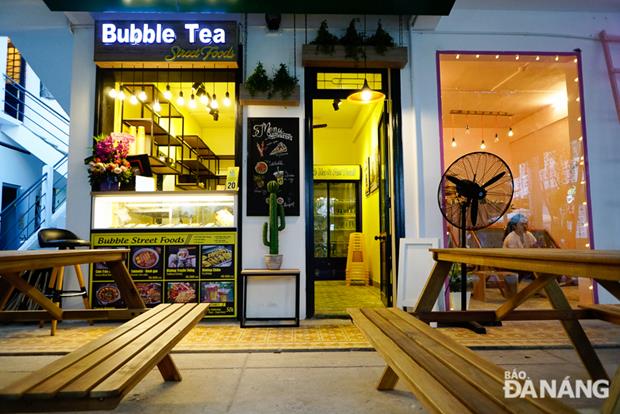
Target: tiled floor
pixel 333 297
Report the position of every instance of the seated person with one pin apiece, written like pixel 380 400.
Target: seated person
pixel 516 234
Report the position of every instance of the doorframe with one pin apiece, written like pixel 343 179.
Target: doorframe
pixel 391 88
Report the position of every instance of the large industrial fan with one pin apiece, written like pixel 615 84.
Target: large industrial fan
pixel 474 192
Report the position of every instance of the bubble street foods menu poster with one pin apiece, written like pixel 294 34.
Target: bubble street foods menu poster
pixel 273 154
pixel 171 267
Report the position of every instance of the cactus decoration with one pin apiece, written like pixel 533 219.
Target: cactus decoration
pixel 276 213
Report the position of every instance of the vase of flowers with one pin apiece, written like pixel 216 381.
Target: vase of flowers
pixel 108 167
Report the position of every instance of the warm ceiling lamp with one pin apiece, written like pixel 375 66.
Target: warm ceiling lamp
pixel 366 95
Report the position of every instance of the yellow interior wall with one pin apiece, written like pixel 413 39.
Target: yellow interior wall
pixel 367 142
pixel 335 146
pixel 220 140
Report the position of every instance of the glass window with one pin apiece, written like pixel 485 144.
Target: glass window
pixel 525 108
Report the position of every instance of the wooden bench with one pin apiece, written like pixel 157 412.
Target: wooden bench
pixel 445 376
pixel 99 374
pixel 609 313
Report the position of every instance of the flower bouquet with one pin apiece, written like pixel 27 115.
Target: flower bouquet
pixel 108 167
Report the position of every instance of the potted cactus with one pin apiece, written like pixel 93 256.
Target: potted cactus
pixel 273 260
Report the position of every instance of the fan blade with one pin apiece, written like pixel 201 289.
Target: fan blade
pixel 494 179
pixel 474 211
pixel 453 179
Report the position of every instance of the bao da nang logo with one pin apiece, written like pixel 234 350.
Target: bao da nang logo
pixel 517 384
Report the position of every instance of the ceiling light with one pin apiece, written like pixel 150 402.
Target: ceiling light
pixel 336 104
pixel 366 95
pixel 496 56
pixel 467 132
pixel 142 95
pixel 192 102
pixel 510 132
pixel 121 95
pixel 204 98
pixel 167 93
pixel 214 103
pixel 180 99
pixel 496 137
pixel 575 60
pixel 112 93
pixel 453 144
pixel 156 105
pixel 227 99
pixel 557 58
pixel 579 119
pixel 458 56
pixel 537 58
pixel 477 56
pixel 517 57
pixel 576 79
pixel 133 100
pixel 483 145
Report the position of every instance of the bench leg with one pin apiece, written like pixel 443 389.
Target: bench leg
pixel 388 380
pixel 168 369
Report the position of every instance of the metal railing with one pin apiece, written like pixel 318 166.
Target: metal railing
pixel 25 105
pixel 23 217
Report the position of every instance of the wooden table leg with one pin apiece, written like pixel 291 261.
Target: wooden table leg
pixel 125 284
pixel 612 405
pixel 20 284
pixel 433 286
pixel 611 286
pixel 575 332
pixel 521 296
pixel 5 292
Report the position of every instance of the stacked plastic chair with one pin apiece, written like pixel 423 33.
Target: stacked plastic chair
pixel 357 265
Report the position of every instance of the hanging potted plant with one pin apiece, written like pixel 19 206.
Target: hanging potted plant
pixel 259 89
pixel 354 50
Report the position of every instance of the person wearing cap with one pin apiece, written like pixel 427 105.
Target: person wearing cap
pixel 516 234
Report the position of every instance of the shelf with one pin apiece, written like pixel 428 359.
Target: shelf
pixel 202 149
pixel 150 126
pixel 160 167
pixel 197 167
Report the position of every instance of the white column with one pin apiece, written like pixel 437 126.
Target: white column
pixel 81 131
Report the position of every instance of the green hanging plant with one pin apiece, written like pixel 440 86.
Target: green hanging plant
pixel 258 81
pixel 283 82
pixel 325 41
pixel 353 42
pixel 381 40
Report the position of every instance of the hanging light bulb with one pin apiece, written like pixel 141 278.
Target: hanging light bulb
pixel 133 99
pixel 496 137
pixel 156 105
pixel 167 93
pixel 142 95
pixel 483 145
pixel 227 99
pixel 510 132
pixel 121 95
pixel 467 131
pixel 214 103
pixel 453 144
pixel 180 99
pixel 204 98
pixel 192 102
pixel 113 93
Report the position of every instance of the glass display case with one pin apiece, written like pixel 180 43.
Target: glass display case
pixel 336 216
pixel 137 210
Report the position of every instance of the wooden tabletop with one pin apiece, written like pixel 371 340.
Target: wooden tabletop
pixel 599 264
pixel 19 260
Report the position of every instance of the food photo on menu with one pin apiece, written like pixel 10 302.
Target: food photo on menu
pixel 150 292
pixel 182 257
pixel 107 295
pixel 217 292
pixel 217 256
pixel 145 258
pixel 181 292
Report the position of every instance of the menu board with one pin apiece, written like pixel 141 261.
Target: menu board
pixel 273 154
pixel 171 267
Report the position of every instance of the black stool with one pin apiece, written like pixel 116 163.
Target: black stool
pixel 63 240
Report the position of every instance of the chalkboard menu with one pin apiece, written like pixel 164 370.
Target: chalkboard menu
pixel 273 154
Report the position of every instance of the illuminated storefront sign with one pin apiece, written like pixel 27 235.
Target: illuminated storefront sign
pixel 165 41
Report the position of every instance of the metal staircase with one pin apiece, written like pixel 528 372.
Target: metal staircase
pixel 44 132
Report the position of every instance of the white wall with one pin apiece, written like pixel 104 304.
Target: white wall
pixel 471 30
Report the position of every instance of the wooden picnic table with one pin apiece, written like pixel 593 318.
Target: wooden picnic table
pixel 14 263
pixel 603 266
